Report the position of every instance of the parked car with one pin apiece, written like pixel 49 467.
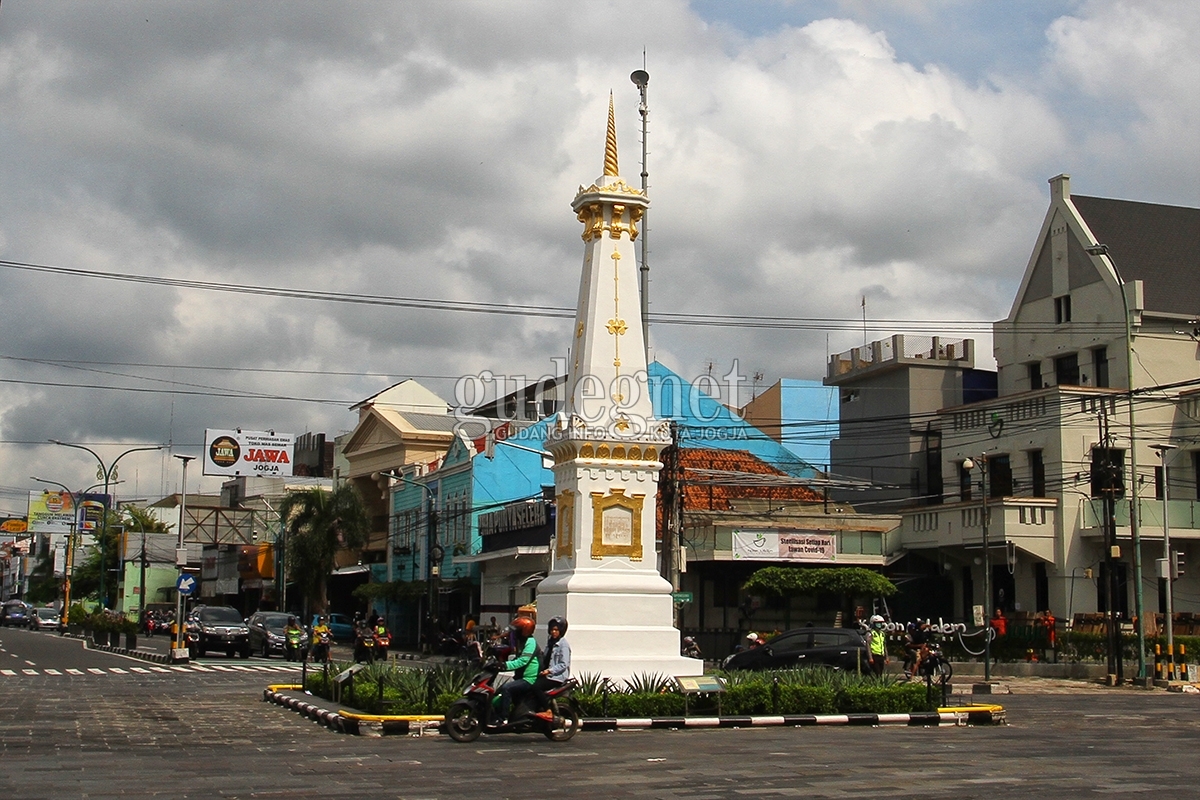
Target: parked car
pixel 266 632
pixel 15 612
pixel 45 619
pixel 838 648
pixel 217 628
pixel 341 626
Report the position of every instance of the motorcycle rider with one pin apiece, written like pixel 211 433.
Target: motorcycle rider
pixel 524 666
pixel 877 641
pixel 690 648
pixel 555 662
pixel 914 647
pixel 293 636
pixel 321 637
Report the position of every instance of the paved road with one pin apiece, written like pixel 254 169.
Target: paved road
pixel 184 735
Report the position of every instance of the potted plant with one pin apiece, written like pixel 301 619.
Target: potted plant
pixel 130 629
pixel 100 627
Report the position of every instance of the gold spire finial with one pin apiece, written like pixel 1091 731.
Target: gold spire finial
pixel 610 142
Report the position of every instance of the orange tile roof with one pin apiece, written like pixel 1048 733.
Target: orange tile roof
pixel 699 493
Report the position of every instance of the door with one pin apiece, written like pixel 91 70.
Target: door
pixel 834 649
pixel 789 650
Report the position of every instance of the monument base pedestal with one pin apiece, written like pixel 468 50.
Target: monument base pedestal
pixel 619 623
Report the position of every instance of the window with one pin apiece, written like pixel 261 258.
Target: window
pixel 1035 375
pixel 1066 370
pixel 1062 309
pixel 1100 366
pixel 1000 478
pixel 1037 473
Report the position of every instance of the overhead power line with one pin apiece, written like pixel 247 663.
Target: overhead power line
pixel 541 310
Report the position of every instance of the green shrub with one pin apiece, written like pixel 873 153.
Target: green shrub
pixel 904 698
pixel 794 699
pixel 751 697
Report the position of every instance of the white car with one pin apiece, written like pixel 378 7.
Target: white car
pixel 43 619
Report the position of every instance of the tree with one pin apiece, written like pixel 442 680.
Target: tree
pixel 318 524
pixel 849 582
pixel 85 582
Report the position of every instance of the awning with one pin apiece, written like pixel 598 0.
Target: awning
pixel 508 552
pixel 356 569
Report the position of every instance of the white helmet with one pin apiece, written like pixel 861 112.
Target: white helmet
pixel 876 619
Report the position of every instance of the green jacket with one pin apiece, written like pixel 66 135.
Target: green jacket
pixel 525 665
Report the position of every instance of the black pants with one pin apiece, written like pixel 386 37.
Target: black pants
pixel 541 691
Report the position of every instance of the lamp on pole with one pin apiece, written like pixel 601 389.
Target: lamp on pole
pixel 1134 512
pixel 1167 571
pixel 107 473
pixel 969 465
pixel 181 555
pixel 433 550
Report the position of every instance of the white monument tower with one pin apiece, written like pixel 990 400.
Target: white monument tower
pixel 606 446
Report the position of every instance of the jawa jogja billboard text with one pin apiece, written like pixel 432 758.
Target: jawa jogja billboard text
pixel 248 453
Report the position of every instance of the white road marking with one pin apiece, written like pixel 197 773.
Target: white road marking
pixel 218 666
pixel 53 672
pixel 96 671
pixel 142 670
pixel 117 670
pixel 30 671
pixel 160 669
pixel 73 671
pixel 30 663
pixel 7 672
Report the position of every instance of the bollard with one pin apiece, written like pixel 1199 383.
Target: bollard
pixel 775 695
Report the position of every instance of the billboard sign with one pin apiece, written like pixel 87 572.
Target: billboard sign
pixel 784 545
pixel 51 511
pixel 240 452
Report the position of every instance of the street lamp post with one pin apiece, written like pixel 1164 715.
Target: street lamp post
pixel 1134 511
pixel 433 550
pixel 969 465
pixel 107 473
pixel 1168 569
pixel 181 556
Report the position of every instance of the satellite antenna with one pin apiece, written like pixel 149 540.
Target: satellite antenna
pixel 640 78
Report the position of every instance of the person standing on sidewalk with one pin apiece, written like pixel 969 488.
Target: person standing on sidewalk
pixel 877 642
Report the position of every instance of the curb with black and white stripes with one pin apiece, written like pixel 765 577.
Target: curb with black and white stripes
pixel 158 658
pixel 336 722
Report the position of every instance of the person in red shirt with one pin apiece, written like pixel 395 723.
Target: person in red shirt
pixel 1000 623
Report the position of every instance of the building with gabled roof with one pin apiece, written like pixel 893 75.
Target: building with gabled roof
pixel 1098 360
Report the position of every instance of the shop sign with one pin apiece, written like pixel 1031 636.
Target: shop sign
pixel 784 545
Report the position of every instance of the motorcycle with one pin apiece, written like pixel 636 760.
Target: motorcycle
pixel 473 714
pixel 934 665
pixel 383 640
pixel 364 645
pixel 294 639
pixel 690 649
pixel 320 648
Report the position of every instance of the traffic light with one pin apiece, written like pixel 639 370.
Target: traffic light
pixel 1177 564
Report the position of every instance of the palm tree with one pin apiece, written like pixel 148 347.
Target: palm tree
pixel 319 523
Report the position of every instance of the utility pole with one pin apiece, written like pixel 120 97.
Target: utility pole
pixel 1109 494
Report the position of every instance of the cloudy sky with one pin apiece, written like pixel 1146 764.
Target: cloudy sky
pixel 803 156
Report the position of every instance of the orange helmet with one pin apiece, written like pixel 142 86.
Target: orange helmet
pixel 523 626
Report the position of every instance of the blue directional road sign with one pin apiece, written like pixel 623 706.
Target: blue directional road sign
pixel 186 584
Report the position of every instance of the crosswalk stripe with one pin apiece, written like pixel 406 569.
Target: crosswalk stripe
pixel 117 670
pixel 73 671
pixel 53 672
pixel 142 670
pixel 30 671
pixel 240 668
pixel 196 668
pixel 218 666
pixel 95 671
pixel 160 669
pixel 178 668
pixel 7 672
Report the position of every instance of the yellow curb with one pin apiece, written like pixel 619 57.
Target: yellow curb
pixel 283 687
pixel 969 709
pixel 392 717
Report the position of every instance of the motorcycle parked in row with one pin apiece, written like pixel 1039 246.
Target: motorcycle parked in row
pixel 473 714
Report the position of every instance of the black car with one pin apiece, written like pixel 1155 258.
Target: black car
pixel 838 648
pixel 15 612
pixel 217 628
pixel 266 632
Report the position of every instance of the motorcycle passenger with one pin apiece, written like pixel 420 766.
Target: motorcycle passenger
pixel 555 662
pixel 524 666
pixel 877 642
pixel 690 648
